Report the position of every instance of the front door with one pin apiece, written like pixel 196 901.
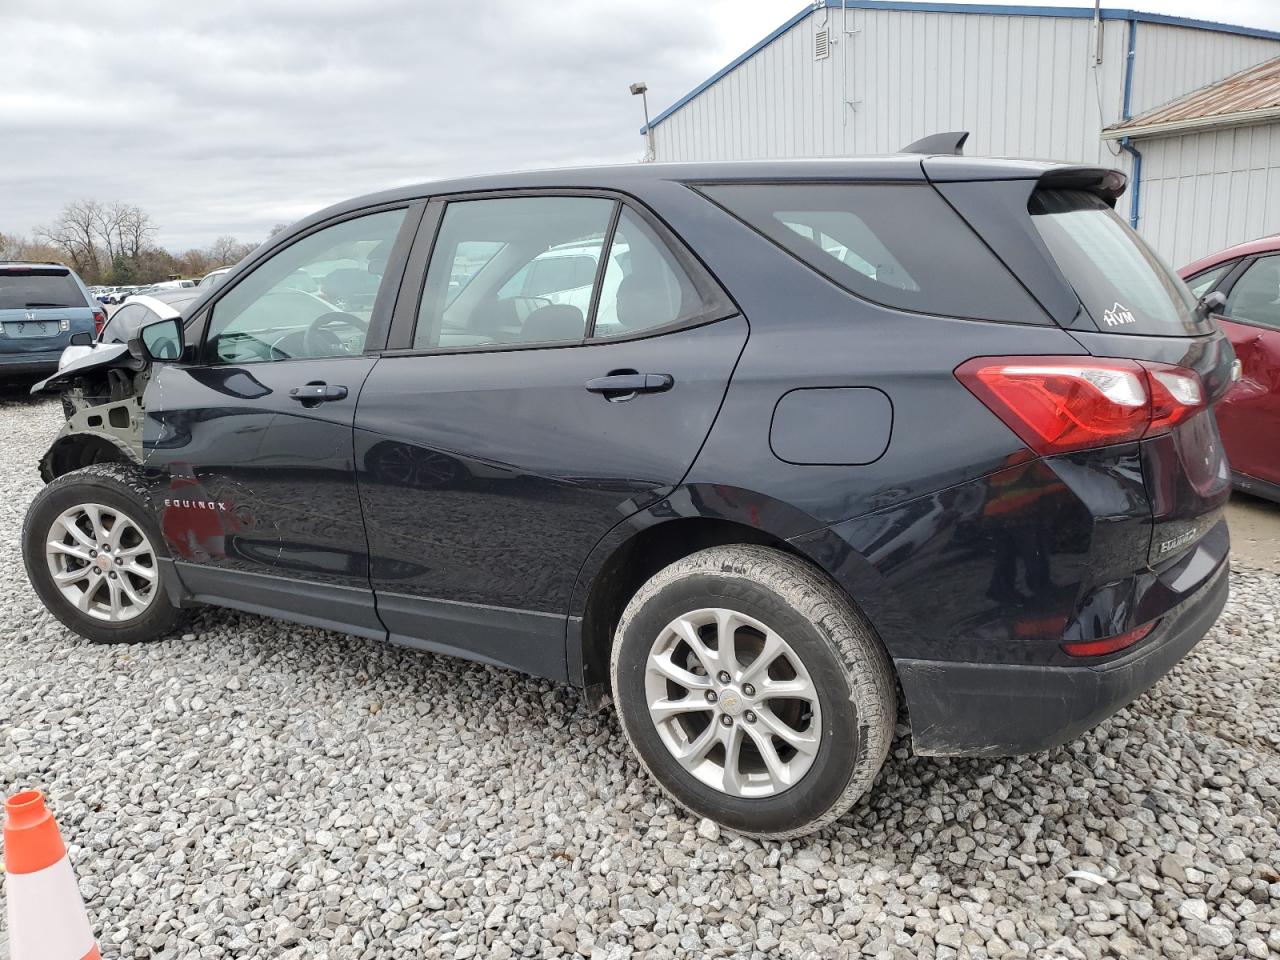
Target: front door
pixel 252 443
pixel 1249 414
pixel 518 422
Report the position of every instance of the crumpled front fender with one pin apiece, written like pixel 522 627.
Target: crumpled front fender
pixel 99 356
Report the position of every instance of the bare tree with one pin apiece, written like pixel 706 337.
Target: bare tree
pixel 227 250
pixel 75 233
pixel 12 247
pixel 134 230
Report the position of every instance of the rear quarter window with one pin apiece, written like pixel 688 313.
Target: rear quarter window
pixel 899 245
pixel 38 289
pixel 1123 284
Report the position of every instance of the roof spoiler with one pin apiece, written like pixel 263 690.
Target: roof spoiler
pixel 948 144
pixel 1103 182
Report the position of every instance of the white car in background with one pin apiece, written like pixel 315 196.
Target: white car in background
pixel 214 277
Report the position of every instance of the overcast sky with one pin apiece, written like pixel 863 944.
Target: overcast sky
pixel 227 121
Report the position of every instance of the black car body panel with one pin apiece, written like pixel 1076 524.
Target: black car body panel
pixel 485 502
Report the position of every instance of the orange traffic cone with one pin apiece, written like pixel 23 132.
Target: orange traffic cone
pixel 47 920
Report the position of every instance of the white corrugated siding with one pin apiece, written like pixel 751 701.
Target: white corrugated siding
pixel 1172 61
pixel 1024 86
pixel 1206 191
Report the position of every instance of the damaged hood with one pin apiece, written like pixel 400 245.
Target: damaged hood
pixel 75 361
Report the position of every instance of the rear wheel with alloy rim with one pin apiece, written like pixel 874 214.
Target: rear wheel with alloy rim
pixel 752 690
pixel 93 551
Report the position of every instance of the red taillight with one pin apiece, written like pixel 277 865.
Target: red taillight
pixel 1056 404
pixel 1098 648
pixel 1176 394
pixel 99 321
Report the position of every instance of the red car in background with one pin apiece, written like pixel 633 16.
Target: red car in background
pixel 1248 275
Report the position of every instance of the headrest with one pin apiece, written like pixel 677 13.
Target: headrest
pixel 556 321
pixel 643 302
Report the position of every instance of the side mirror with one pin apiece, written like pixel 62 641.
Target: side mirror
pixel 1209 304
pixel 158 341
pixel 81 339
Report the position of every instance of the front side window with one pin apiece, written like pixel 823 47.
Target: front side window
pixel 512 270
pixel 1255 298
pixel 312 299
pixel 897 244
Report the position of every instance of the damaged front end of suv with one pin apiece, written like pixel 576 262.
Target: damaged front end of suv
pixel 102 393
pixel 103 388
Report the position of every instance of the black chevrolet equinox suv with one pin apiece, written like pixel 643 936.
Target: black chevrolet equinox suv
pixel 753 449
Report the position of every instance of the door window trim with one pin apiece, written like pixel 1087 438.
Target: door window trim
pixel 383 305
pixel 1223 281
pixel 719 305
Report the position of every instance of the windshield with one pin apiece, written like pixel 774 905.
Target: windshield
pixel 37 289
pixel 1123 285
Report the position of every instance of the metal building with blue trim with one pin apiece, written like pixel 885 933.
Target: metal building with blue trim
pixel 845 77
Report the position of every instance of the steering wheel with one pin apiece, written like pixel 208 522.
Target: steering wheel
pixel 319 340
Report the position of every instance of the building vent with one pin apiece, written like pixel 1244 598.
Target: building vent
pixel 821 45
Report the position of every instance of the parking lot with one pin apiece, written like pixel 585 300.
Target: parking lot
pixel 256 788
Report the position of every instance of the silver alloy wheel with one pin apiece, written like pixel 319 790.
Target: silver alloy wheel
pixel 733 703
pixel 102 562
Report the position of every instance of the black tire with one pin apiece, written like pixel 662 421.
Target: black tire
pixel 846 662
pixel 115 486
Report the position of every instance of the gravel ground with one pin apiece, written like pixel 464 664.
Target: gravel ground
pixel 254 789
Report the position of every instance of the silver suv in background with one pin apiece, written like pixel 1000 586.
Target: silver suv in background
pixel 42 305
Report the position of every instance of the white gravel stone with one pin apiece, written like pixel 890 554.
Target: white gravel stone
pixel 259 789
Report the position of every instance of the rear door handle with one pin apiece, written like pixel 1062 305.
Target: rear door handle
pixel 625 384
pixel 309 394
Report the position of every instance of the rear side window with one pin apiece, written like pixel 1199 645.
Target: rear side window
pixel 644 286
pixel 512 270
pixel 1123 285
pixel 899 245
pixel 38 289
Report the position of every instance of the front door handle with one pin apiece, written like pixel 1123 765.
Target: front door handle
pixel 309 394
pixel 625 384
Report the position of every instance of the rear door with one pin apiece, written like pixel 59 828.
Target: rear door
pixel 504 433
pixel 1249 414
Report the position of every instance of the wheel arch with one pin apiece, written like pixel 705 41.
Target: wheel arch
pixel 81 449
pixel 692 518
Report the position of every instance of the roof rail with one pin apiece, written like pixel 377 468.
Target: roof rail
pixel 951 144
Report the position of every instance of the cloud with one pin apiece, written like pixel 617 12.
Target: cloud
pixel 230 117
pixel 229 120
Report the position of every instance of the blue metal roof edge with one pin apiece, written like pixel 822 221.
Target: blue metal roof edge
pixel 1077 13
pixel 925 6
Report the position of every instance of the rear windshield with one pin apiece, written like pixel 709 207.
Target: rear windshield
pixel 899 245
pixel 1123 285
pixel 38 289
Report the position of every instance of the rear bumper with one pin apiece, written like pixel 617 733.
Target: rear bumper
pixel 984 709
pixel 42 361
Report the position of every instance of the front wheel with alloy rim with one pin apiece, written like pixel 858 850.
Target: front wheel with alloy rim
pixel 753 691
pixel 92 552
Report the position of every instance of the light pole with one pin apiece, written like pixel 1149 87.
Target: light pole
pixel 641 90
